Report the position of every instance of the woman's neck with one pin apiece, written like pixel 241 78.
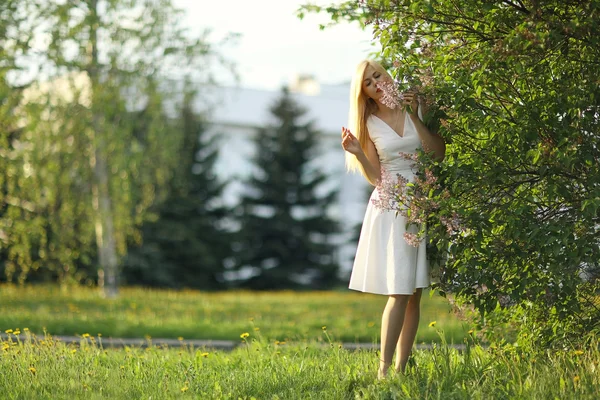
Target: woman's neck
pixel 385 111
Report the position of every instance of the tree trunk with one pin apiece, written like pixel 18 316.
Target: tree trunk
pixel 102 204
pixel 105 239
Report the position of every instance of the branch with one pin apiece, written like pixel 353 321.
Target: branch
pixel 520 7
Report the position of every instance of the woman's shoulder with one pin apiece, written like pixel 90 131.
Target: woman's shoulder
pixel 371 120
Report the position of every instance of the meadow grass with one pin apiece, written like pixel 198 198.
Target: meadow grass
pixel 285 315
pixel 263 369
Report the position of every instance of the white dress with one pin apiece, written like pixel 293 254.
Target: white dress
pixel 385 263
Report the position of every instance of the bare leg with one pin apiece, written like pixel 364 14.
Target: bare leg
pixel 409 330
pixel 391 325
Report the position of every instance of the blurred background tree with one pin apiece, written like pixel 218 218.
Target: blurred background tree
pixel 87 165
pixel 185 243
pixel 287 238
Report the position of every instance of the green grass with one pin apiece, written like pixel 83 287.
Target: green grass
pixel 349 316
pixel 261 369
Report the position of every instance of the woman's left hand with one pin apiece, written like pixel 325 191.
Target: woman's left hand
pixel 411 98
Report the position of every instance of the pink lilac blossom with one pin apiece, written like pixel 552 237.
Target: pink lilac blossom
pixel 392 98
pixel 410 199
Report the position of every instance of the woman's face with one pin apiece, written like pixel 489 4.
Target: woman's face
pixel 370 79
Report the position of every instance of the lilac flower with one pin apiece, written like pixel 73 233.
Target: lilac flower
pixel 389 188
pixel 391 96
pixel 412 239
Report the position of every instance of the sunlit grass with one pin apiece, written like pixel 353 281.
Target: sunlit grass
pixel 349 316
pixel 42 368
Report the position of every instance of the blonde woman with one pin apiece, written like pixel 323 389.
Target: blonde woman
pixel 385 263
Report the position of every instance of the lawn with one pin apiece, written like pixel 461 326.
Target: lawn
pixel 41 368
pixel 291 316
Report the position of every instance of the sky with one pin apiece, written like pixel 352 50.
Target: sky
pixel 275 45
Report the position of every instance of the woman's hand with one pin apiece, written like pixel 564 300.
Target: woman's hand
pixel 411 98
pixel 350 142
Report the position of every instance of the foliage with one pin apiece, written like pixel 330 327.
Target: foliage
pixel 95 146
pixel 186 244
pixel 517 83
pixel 287 237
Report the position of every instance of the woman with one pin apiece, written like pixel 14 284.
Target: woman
pixel 385 263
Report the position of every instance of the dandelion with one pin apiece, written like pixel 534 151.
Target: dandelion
pixel 578 352
pixel 432 324
pixel 25 329
pixel 85 335
pixel 184 389
pixel 17 332
pixel 205 355
pixel 324 327
pixel 32 370
pixel 73 351
pixel 244 335
pixel 8 331
pixel 180 338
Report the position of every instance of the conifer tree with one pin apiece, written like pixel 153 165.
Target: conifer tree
pixel 185 245
pixel 286 235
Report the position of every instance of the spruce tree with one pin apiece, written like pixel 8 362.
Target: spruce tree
pixel 286 236
pixel 185 246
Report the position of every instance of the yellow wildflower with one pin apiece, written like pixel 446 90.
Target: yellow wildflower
pixel 17 332
pixel 244 335
pixel 25 329
pixel 578 352
pixel 324 327
pixel 432 324
pixel 8 331
pixel 85 335
pixel 32 370
pixel 184 389
pixel 180 338
pixel 204 355
pixel 73 351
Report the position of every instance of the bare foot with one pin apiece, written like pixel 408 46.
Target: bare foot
pixel 401 369
pixel 383 370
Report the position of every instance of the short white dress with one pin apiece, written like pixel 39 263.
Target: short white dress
pixel 385 263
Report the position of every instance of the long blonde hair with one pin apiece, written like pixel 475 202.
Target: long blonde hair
pixel 361 107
